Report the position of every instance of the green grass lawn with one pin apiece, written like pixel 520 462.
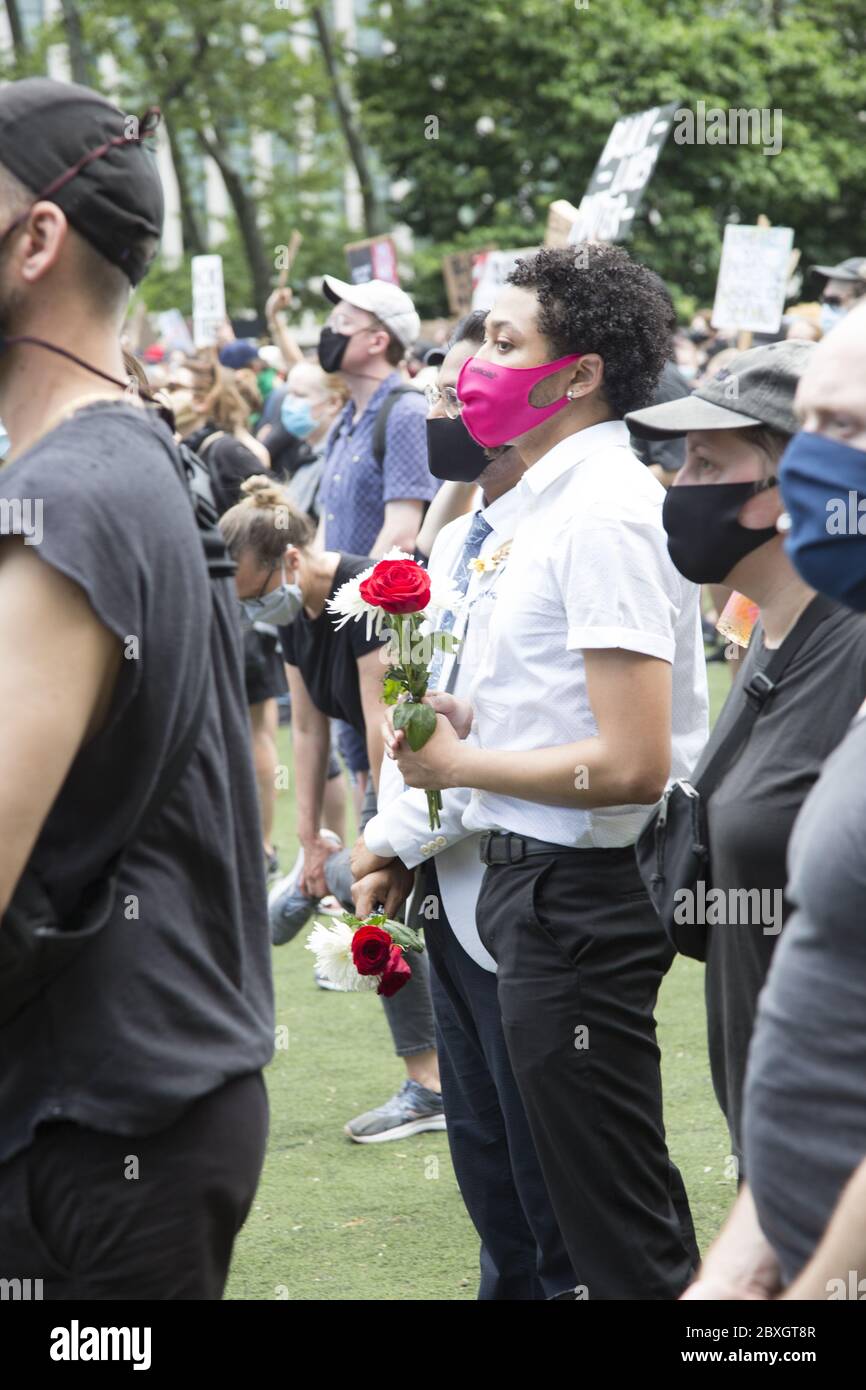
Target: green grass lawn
pixel 337 1220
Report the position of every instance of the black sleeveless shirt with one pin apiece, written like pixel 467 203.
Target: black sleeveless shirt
pixel 173 997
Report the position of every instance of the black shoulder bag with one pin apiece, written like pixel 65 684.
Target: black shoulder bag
pixel 35 944
pixel 673 851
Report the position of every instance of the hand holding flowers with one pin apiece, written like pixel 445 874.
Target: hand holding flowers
pixel 362 955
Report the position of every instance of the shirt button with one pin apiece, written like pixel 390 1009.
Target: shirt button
pixel 330 516
pixel 357 458
pixel 441 841
pixel 336 477
pixel 425 849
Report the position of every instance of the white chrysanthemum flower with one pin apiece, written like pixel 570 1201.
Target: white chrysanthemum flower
pixel 332 947
pixel 444 596
pixel 349 606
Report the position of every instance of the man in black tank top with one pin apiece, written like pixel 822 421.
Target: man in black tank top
pixel 133 1116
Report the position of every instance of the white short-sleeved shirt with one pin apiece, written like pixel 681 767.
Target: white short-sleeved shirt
pixel 589 568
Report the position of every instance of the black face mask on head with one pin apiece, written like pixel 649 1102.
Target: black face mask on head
pixel 452 453
pixel 705 539
pixel 137 263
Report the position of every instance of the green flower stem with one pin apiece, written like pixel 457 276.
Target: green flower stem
pixel 412 678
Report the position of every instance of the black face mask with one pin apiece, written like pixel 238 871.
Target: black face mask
pixel 452 453
pixel 332 349
pixel 705 540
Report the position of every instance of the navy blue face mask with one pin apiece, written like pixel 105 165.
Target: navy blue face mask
pixel 824 490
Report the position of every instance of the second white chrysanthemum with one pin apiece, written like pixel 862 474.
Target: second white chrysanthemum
pixel 332 947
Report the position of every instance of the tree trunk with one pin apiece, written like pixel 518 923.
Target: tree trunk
pixel 79 58
pixel 16 29
pixel 193 237
pixel 354 143
pixel 245 212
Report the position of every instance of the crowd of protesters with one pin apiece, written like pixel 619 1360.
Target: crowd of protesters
pixel 591 479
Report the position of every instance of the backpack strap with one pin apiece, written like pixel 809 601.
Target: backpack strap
pixel 382 419
pixel 211 439
pixel 758 690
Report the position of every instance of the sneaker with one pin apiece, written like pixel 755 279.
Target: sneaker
pixel 324 983
pixel 331 906
pixel 289 907
pixel 411 1111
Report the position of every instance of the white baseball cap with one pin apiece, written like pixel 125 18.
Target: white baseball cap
pixel 388 302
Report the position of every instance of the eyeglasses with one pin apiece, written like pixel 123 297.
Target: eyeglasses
pixel 341 323
pixel 448 399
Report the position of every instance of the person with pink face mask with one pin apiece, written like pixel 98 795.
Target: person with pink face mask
pixel 591 693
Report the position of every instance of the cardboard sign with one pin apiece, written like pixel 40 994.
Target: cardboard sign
pixel 457 274
pixel 208 299
pixel 613 196
pixel 753 278
pixel 374 259
pixel 561 217
pixel 489 272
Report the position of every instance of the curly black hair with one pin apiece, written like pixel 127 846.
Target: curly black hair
pixel 594 298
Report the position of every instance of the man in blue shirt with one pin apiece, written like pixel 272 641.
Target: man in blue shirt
pixel 369 504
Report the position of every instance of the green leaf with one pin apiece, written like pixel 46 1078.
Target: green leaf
pixel 418 722
pixel 391 690
pixel 404 936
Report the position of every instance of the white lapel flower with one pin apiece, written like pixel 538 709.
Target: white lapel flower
pixel 489 563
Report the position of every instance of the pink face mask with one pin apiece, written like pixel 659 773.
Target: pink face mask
pixel 496 406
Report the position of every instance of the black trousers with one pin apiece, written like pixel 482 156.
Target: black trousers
pixel 106 1216
pixel 580 957
pixel 522 1252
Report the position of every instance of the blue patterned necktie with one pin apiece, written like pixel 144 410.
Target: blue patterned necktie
pixel 477 535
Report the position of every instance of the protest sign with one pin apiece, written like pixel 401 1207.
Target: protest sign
pixel 561 217
pixel 457 272
pixel 286 258
pixel 753 278
pixel 174 333
pixel 208 299
pixel 489 272
pixel 613 196
pixel 373 259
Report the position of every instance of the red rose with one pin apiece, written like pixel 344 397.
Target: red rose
pixel 398 586
pixel 397 974
pixel 371 949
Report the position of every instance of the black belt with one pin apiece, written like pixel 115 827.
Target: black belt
pixel 501 847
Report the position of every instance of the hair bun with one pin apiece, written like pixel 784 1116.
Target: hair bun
pixel 263 491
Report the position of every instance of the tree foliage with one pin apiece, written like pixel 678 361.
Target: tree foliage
pixel 525 93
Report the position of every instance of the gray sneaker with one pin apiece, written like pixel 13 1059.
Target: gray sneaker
pixel 411 1111
pixel 288 907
